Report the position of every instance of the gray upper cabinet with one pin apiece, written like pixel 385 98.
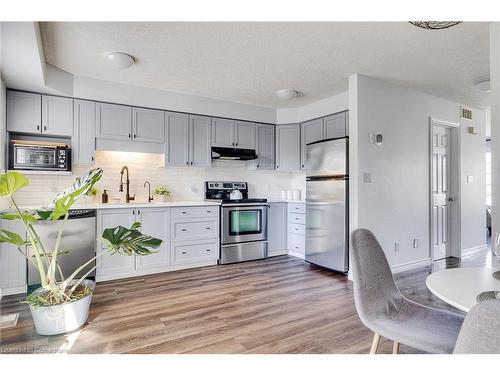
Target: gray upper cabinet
pixel 265 146
pixel 223 132
pixel 148 125
pixel 24 112
pixel 57 115
pixel 113 121
pixel 288 147
pixel 244 135
pixel 200 153
pixel 311 131
pixel 177 145
pixel 83 140
pixel 336 125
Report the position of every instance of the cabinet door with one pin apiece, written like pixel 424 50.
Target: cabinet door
pixel 223 132
pixel 277 214
pixel 244 135
pixel 12 263
pixel 336 125
pixel 83 140
pixel 24 112
pixel 200 153
pixel 113 121
pixel 265 147
pixel 177 152
pixel 57 115
pixel 311 131
pixel 288 147
pixel 117 265
pixel 148 125
pixel 155 222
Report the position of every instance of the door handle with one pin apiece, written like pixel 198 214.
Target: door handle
pixel 451 199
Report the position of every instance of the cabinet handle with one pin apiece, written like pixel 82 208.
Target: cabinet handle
pixel 135 136
pixel 129 135
pixel 38 127
pixel 302 165
pixel 138 212
pixel 296 228
pixel 258 165
pixel 297 247
pixel 44 128
pixel 191 163
pixel 233 143
pixel 296 218
pixel 184 230
pixel 236 143
pixel 208 228
pixel 184 252
pixel 92 158
pixel 187 163
pixel 183 212
pixel 207 250
pixel 277 166
pixel 133 212
pixel 209 212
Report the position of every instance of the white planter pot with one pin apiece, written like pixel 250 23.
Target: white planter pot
pixel 160 198
pixel 57 319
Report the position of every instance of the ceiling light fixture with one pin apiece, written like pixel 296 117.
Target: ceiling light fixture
pixel 434 25
pixel 120 60
pixel 483 86
pixel 287 94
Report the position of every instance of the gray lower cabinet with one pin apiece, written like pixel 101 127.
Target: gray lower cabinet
pixel 12 263
pixel 83 140
pixel 24 112
pixel 296 239
pixel 277 224
pixel 288 147
pixel 154 222
pixel 264 147
pixel 148 125
pixel 113 121
pixel 57 115
pixel 177 142
pixel 200 153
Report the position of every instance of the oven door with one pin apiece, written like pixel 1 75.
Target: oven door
pixel 243 223
pixel 32 157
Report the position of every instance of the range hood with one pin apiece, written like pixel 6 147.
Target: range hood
pixel 227 153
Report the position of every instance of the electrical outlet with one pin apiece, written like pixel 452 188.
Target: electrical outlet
pixel 415 243
pixel 470 179
pixel 396 247
pixel 367 177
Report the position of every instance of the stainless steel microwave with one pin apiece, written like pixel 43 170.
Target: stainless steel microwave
pixel 40 156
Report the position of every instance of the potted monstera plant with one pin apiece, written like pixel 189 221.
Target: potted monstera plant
pixel 62 302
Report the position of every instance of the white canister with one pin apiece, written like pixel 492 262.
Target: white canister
pixel 289 195
pixel 283 195
pixel 296 195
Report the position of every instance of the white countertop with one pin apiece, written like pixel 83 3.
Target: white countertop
pixel 283 201
pixel 101 206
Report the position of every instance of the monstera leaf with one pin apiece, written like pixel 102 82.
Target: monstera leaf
pixel 26 215
pixel 63 201
pixel 11 182
pixel 11 237
pixel 129 241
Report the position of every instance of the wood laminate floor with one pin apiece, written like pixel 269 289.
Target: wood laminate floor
pixel 277 305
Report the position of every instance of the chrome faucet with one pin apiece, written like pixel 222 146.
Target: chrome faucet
pixel 128 198
pixel 150 197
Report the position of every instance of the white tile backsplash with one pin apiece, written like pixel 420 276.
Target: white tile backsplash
pixel 184 183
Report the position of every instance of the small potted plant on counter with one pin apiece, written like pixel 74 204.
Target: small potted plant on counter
pixel 62 303
pixel 162 193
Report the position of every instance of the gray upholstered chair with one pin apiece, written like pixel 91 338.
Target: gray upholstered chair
pixel 384 310
pixel 480 333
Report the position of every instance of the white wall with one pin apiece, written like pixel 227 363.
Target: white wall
pixel 396 204
pixel 323 107
pixel 495 123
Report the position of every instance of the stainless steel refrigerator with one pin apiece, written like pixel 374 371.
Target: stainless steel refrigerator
pixel 327 192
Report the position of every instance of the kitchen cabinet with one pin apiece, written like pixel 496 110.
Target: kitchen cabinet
pixel 148 125
pixel 57 115
pixel 311 131
pixel 296 224
pixel 83 140
pixel 12 263
pixel 24 112
pixel 177 144
pixel 155 222
pixel 113 121
pixel 264 147
pixel 277 233
pixel 288 147
pixel 231 133
pixel 336 125
pixel 200 152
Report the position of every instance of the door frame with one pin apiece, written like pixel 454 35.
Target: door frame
pixel 456 178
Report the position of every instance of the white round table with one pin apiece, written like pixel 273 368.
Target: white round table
pixel 460 286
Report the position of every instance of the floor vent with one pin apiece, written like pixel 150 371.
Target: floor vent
pixel 466 113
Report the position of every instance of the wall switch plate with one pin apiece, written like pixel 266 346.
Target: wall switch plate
pixel 415 243
pixel 367 177
pixel 470 179
pixel 396 247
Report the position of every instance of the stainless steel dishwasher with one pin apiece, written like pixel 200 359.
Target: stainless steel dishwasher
pixel 79 238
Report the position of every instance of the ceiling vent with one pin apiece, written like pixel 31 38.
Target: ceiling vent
pixel 466 113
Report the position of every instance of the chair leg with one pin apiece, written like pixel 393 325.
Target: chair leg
pixel 375 342
pixel 395 348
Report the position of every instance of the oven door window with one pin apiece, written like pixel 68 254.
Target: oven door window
pixel 243 222
pixel 35 157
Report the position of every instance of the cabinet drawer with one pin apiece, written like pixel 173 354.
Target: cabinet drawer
pixel 296 243
pixel 194 253
pixel 297 218
pixel 184 230
pixel 297 229
pixel 202 211
pixel 296 208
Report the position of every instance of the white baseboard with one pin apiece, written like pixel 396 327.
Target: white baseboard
pixel 296 255
pixel 473 249
pixel 411 265
pixel 277 253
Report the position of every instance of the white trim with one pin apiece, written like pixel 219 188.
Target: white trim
pixel 296 255
pixel 411 265
pixel 277 253
pixel 456 178
pixel 12 290
pixel 473 249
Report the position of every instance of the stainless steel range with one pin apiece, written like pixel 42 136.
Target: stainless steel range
pixel 243 229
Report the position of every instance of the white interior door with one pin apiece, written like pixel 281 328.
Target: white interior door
pixel 441 188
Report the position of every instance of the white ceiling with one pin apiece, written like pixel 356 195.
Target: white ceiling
pixel 247 62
